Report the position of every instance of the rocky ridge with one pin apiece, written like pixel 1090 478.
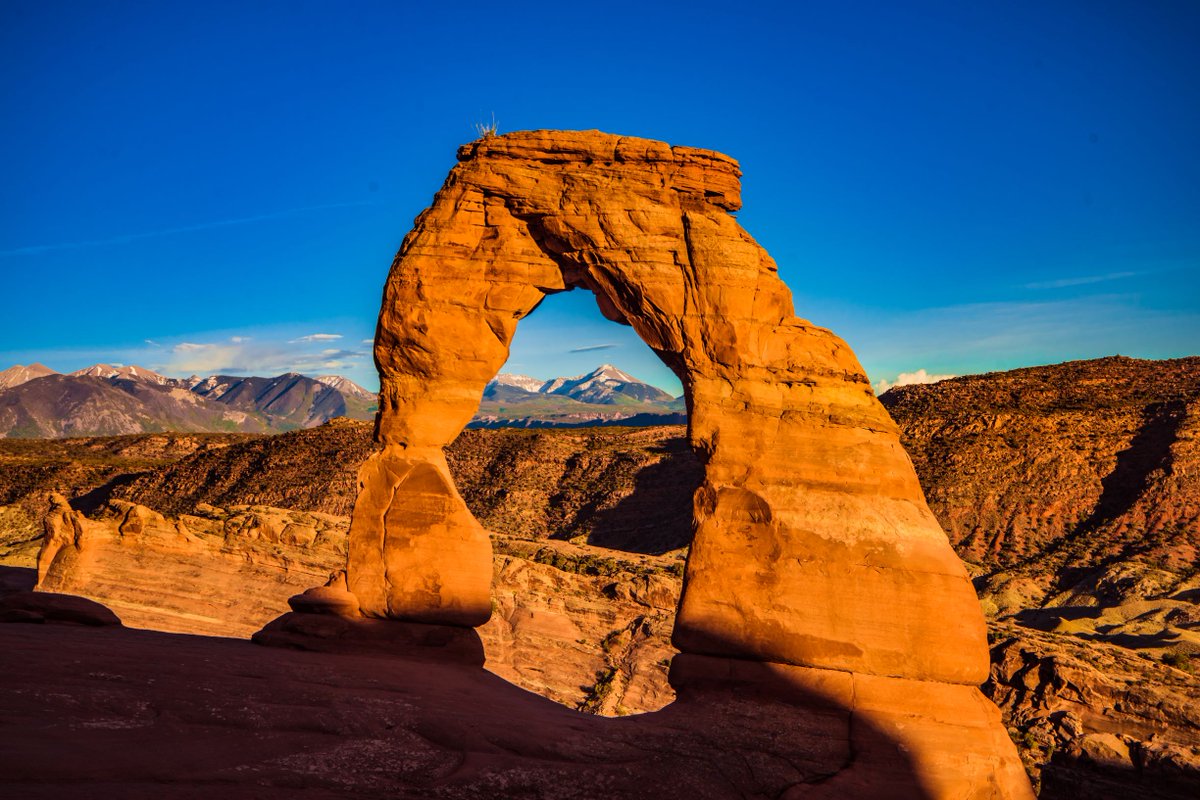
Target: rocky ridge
pixel 1074 492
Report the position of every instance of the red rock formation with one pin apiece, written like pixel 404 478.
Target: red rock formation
pixel 814 549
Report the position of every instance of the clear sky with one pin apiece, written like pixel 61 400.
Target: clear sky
pixel 952 187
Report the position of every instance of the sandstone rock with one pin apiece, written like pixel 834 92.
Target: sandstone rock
pixel 807 491
pixel 1114 722
pixel 814 546
pixel 326 600
pixel 217 574
pixel 52 607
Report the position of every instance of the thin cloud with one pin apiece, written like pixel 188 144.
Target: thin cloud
pixel 202 358
pixel 316 337
pixel 591 347
pixel 908 378
pixel 241 355
pixel 1063 283
pixel 202 226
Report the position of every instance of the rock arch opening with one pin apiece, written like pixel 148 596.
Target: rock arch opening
pixel 600 459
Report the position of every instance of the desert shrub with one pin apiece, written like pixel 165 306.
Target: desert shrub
pixel 593 701
pixel 487 130
pixel 1178 660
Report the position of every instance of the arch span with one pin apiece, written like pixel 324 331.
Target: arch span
pixel 816 573
pixel 814 546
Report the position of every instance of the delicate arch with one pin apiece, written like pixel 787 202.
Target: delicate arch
pixel 814 545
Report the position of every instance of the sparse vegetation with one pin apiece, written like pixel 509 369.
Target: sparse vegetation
pixel 487 130
pixel 1179 661
pixel 600 691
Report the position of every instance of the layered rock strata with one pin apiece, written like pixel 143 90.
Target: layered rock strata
pixel 568 632
pixel 814 548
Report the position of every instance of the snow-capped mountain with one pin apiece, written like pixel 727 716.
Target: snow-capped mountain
pixel 346 387
pixel 103 399
pixel 606 385
pixel 523 382
pixel 605 396
pixel 20 373
pixel 130 372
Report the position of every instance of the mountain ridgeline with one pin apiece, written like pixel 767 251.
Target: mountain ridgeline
pixel 106 400
pixel 102 400
pixel 604 396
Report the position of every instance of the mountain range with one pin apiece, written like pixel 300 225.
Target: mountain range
pixel 605 396
pixel 108 400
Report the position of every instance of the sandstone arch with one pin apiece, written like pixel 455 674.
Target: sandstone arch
pixel 815 553
pixel 814 544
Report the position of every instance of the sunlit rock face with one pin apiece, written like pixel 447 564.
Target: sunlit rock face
pixel 814 548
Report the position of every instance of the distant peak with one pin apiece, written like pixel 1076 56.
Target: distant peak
pixel 344 385
pixel 128 371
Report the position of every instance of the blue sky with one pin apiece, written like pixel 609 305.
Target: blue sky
pixel 951 187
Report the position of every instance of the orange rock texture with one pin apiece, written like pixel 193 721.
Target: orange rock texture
pixel 814 546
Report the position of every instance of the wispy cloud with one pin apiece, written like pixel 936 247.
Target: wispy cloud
pixel 126 238
pixel 591 347
pixel 907 378
pixel 201 358
pixel 263 351
pixel 1084 280
pixel 316 337
pixel 242 355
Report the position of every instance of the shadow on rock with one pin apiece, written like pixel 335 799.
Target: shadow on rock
pixel 181 713
pixel 656 517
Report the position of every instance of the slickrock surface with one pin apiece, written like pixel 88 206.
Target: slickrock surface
pixel 115 712
pixel 814 547
pixel 583 628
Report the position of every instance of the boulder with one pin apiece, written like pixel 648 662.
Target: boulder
pixel 53 607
